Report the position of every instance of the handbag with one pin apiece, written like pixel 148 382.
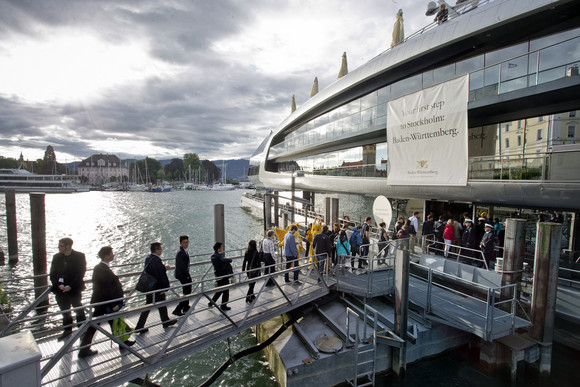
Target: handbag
pixel 146 282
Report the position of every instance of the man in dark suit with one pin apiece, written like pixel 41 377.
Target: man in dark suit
pixel 67 272
pixel 468 239
pixel 322 248
pixel 487 244
pixel 182 274
pixel 155 267
pixel 222 268
pixel 106 287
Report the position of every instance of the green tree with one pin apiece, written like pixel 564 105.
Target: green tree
pixel 174 168
pixel 48 165
pixel 191 162
pixel 7 162
pixel 160 174
pixel 149 173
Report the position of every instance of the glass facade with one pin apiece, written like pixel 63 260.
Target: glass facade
pixel 522 150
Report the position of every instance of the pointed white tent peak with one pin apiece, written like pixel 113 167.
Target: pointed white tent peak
pixel 398 30
pixel 293 104
pixel 343 67
pixel 314 87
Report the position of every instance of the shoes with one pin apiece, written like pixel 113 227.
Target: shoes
pixel 141 330
pixel 297 282
pixel 177 312
pixel 270 283
pixel 128 343
pixel 210 304
pixel 288 281
pixel 65 334
pixel 87 352
pixel 225 308
pixel 169 323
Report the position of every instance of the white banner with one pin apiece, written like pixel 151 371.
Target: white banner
pixel 427 136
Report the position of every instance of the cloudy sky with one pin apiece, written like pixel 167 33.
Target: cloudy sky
pixel 164 78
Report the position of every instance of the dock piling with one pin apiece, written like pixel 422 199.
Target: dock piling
pixel 11 228
pixel 327 206
pixel 334 211
pixel 268 211
pixel 219 231
pixel 548 241
pixel 38 235
pixel 402 269
pixel 513 256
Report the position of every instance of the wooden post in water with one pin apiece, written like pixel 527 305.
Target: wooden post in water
pixel 334 209
pixel 402 269
pixel 546 259
pixel 11 228
pixel 513 255
pixel 219 229
pixel 327 210
pixel 276 211
pixel 38 234
pixel 267 211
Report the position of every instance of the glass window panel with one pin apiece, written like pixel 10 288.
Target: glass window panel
pixel 444 73
pixel 469 65
pixel 368 101
pixel 551 75
pixel 505 53
pixel 514 84
pixel 368 116
pixel 382 110
pixel 553 39
pixel 532 62
pixel 560 54
pixel 428 79
pixel 333 115
pixel 406 86
pixel 491 75
pixel 476 80
pixel 381 121
pixel 514 68
pixel 384 94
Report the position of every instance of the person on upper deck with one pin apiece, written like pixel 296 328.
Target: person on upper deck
pixel 223 271
pixel 448 236
pixel 322 248
pixel 291 253
pixel 252 263
pixel 442 15
pixel 355 242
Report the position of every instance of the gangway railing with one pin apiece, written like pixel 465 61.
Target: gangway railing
pixel 470 306
pixel 202 325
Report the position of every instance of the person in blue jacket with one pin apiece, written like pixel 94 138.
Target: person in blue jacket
pixel 342 247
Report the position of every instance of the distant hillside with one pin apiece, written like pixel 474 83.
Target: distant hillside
pixel 234 169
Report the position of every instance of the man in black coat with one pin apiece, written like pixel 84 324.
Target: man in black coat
pixel 182 274
pixel 155 267
pixel 438 229
pixel 222 268
pixel 106 287
pixel 322 247
pixel 468 239
pixel 487 244
pixel 67 272
pixel 428 232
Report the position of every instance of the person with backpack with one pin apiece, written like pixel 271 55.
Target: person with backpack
pixel 106 287
pixel 253 263
pixel 438 230
pixel 355 243
pixel 383 243
pixel 270 260
pixel 342 247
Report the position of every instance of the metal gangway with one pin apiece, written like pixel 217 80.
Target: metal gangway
pixel 203 324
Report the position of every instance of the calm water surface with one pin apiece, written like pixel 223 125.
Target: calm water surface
pixel 130 221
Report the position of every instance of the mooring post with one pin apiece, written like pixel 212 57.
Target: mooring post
pixel 543 309
pixel 219 229
pixel 276 211
pixel 334 209
pixel 284 220
pixel 327 203
pixel 267 211
pixel 38 234
pixel 402 269
pixel 513 255
pixel 11 229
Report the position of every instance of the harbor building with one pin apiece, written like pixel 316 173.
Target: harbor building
pixel 104 168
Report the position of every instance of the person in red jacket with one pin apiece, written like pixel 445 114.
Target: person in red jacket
pixel 448 236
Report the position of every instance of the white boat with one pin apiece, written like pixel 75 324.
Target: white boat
pixel 223 187
pixel 20 180
pixel 164 186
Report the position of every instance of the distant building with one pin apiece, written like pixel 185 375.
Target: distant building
pixel 102 169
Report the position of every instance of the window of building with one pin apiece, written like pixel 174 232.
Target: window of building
pixel 539 135
pixel 519 140
pixel 541 119
pixel 507 142
pixel 571 131
pixel 519 124
pixel 507 127
pixel 572 114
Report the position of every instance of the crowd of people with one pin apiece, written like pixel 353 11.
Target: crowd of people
pixel 444 236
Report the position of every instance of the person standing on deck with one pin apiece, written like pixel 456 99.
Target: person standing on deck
pixel 428 232
pixel 468 239
pixel 270 259
pixel 322 248
pixel 448 236
pixel 67 272
pixel 182 274
pixel 414 220
pixel 487 244
pixel 154 266
pixel 291 253
pixel 106 287
pixel 366 236
pixel 253 264
pixel 355 242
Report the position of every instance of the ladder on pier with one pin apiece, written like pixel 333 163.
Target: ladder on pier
pixel 365 348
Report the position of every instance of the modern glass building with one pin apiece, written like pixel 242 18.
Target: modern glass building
pixel 522 58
